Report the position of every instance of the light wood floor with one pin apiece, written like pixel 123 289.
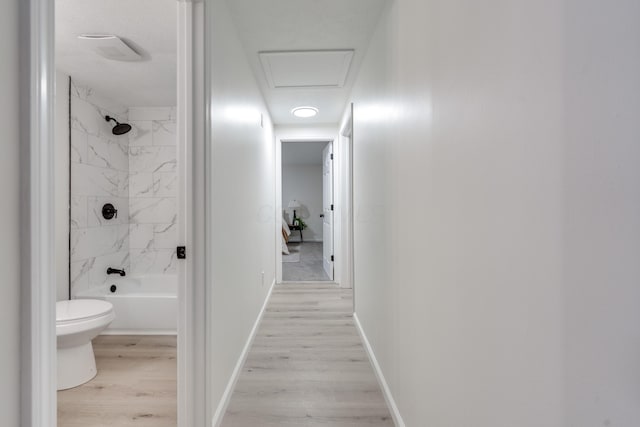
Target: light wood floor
pixel 135 386
pixel 307 366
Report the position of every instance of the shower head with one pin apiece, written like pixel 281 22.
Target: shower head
pixel 119 128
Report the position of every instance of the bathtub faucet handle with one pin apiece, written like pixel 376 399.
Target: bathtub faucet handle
pixel 115 271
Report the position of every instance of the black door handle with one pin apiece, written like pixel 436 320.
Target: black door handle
pixel 321 215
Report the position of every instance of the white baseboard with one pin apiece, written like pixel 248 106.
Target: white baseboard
pixel 228 391
pixel 139 332
pixel 386 391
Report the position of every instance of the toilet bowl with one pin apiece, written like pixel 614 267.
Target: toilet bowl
pixel 77 323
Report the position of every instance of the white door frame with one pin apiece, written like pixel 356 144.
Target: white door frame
pixel 38 295
pixel 38 349
pixel 328 257
pixel 279 207
pixel 193 375
pixel 344 199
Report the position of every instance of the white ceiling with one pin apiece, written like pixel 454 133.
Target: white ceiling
pixel 294 25
pixel 302 153
pixel 148 26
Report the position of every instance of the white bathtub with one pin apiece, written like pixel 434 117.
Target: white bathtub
pixel 146 305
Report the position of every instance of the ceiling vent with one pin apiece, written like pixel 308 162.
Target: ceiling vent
pixel 306 69
pixel 110 47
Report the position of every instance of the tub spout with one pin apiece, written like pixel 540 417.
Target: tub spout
pixel 116 271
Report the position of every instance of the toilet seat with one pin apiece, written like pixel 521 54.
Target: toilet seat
pixel 81 310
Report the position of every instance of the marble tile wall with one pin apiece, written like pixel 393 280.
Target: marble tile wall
pixel 99 175
pixel 153 191
pixel 135 172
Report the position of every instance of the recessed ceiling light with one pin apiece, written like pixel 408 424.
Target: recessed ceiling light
pixel 304 112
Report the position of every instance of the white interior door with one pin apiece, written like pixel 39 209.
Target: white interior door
pixel 327 209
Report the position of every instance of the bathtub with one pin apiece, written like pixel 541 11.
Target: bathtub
pixel 145 305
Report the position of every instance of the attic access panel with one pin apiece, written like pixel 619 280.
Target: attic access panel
pixel 306 69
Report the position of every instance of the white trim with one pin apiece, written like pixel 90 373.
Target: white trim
pixel 278 206
pixel 38 350
pixel 228 391
pixel 309 282
pixel 140 332
pixel 289 140
pixel 191 403
pixel 296 239
pixel 278 193
pixel 344 205
pixel 386 391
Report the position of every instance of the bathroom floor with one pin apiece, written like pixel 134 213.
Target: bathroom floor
pixel 136 385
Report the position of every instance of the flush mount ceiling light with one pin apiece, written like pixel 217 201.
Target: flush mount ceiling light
pixel 304 112
pixel 110 47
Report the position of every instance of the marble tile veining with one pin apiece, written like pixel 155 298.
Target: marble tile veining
pixel 141 236
pixel 152 113
pixel 78 146
pixel 152 159
pixel 110 154
pixel 78 212
pixel 156 210
pixel 141 184
pixel 80 275
pixel 140 134
pixel 165 184
pixel 157 261
pixel 87 180
pixel 96 241
pixel 164 133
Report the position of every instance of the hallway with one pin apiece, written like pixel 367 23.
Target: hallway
pixel 307 366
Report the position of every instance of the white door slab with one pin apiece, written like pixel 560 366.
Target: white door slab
pixel 327 209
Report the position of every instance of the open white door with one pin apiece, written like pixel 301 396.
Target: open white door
pixel 327 209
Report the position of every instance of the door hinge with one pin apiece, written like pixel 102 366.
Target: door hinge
pixel 331 207
pixel 181 251
pixel 331 156
pixel 331 258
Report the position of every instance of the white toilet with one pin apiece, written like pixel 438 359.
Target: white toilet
pixel 77 323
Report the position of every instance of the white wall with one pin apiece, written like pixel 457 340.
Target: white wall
pixel 242 190
pixel 10 216
pixel 508 133
pixel 458 135
pixel 62 185
pixel 602 213
pixel 304 183
pixel 310 132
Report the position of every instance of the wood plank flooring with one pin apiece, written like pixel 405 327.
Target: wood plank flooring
pixel 136 385
pixel 307 366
